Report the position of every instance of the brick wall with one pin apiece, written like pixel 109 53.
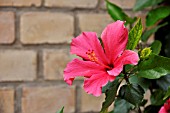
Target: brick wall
pixel 34 50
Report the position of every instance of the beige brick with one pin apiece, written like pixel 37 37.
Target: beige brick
pixel 124 4
pixel 17 65
pixel 7 27
pixel 90 103
pixel 48 99
pixel 6 100
pixel 54 63
pixel 138 14
pixel 72 3
pixel 46 27
pixel 19 3
pixel 95 22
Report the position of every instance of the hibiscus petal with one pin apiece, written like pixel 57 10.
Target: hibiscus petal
pixel 128 57
pixel 80 68
pixel 163 110
pixel 94 84
pixel 85 42
pixel 114 37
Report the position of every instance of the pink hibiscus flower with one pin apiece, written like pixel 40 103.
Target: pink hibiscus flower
pixel 101 63
pixel 166 107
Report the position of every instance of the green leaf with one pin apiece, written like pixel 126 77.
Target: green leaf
pixel 110 95
pixel 61 110
pixel 140 4
pixel 133 93
pixel 156 47
pixel 167 94
pixel 148 33
pixel 163 82
pixel 134 35
pixel 157 97
pixel 144 83
pixel 117 13
pixel 157 14
pixel 122 106
pixel 154 67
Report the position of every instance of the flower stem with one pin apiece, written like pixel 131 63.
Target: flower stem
pixel 126 77
pixel 139 110
pixel 105 111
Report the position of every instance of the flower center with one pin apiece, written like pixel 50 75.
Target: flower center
pixel 92 56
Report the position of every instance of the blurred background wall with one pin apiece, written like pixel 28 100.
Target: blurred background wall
pixel 34 50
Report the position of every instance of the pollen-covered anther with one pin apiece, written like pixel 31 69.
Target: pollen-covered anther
pixel 91 55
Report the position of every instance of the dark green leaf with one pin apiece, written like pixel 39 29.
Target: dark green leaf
pixel 157 97
pixel 164 82
pixel 152 109
pixel 109 85
pixel 110 95
pixel 144 83
pixel 148 33
pixel 167 45
pixel 157 14
pixel 122 106
pixel 143 102
pixel 167 94
pixel 61 110
pixel 133 93
pixel 154 67
pixel 117 13
pixel 140 4
pixel 134 35
pixel 156 47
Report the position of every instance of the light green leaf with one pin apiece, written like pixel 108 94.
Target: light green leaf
pixel 117 13
pixel 110 95
pixel 156 47
pixel 140 4
pixel 148 33
pixel 157 14
pixel 167 94
pixel 134 35
pixel 133 93
pixel 61 110
pixel 154 67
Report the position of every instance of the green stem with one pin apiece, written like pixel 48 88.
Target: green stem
pixel 126 77
pixel 105 111
pixel 139 110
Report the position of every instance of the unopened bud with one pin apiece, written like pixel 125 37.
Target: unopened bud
pixel 145 53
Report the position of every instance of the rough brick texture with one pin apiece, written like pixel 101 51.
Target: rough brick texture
pixel 46 27
pixel 72 3
pixel 6 100
pixel 54 63
pixel 95 22
pixel 16 65
pixel 20 3
pixel 7 27
pixel 48 99
pixel 90 103
pixel 125 4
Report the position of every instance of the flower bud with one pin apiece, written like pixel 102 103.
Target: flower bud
pixel 145 53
